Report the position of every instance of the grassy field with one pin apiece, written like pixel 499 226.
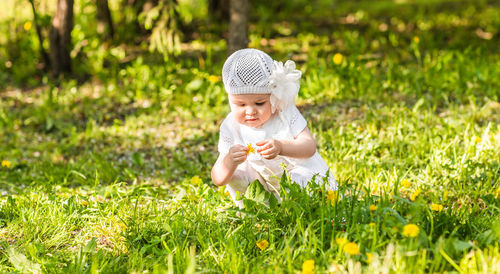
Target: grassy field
pixel 112 174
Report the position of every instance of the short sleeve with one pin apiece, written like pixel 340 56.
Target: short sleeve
pixel 226 138
pixel 295 120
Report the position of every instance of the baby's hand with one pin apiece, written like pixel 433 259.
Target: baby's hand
pixel 269 149
pixel 237 154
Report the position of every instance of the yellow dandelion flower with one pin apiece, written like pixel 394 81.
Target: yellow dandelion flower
pixel 445 195
pixel 410 230
pixel 119 225
pixel 406 183
pixel 369 257
pixel 332 196
pixel 226 193
pixel 341 241
pixel 196 180
pixel 6 164
pixel 250 149
pixel 262 244
pixel 351 248
pixel 308 267
pixel 337 58
pixel 27 25
pixel 415 194
pixel 213 78
pixel 436 207
pixel 373 208
pixel 477 140
pixel 371 224
pixel 416 39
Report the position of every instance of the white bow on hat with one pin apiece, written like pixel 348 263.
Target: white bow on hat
pixel 284 84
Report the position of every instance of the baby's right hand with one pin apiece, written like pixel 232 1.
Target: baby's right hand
pixel 237 154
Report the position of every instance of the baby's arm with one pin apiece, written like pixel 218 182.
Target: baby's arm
pixel 226 164
pixel 303 146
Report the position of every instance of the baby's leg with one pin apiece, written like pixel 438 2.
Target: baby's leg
pixel 242 177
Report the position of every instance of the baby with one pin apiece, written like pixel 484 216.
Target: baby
pixel 264 133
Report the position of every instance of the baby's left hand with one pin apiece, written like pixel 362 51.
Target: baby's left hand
pixel 269 149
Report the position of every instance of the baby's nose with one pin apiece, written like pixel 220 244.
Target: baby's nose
pixel 250 110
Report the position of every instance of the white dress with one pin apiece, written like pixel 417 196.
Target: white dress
pixel 285 125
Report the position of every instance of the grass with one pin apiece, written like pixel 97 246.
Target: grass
pixel 113 174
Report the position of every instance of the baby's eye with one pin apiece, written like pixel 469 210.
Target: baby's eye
pixel 260 103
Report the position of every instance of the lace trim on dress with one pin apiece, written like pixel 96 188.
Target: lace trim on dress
pixel 226 139
pixel 294 118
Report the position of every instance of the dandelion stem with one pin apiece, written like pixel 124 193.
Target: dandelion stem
pixel 450 260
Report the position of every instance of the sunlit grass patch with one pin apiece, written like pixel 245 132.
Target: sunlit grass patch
pixel 394 162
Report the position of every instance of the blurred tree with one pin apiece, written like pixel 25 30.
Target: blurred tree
pixel 219 9
pixel 163 21
pixel 148 4
pixel 60 37
pixel 104 20
pixel 45 56
pixel 139 7
pixel 238 25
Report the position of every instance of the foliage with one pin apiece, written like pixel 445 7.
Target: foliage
pixel 111 172
pixel 165 35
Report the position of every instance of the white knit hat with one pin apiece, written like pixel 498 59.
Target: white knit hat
pixel 252 71
pixel 247 71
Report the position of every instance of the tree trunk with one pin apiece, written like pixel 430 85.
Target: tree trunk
pixel 60 37
pixel 104 20
pixel 45 56
pixel 238 25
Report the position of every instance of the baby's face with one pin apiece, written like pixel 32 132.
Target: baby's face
pixel 251 110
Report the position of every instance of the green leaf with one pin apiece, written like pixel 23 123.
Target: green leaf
pixel 256 192
pixel 194 85
pixel 461 245
pixel 273 202
pixel 90 246
pixel 21 263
